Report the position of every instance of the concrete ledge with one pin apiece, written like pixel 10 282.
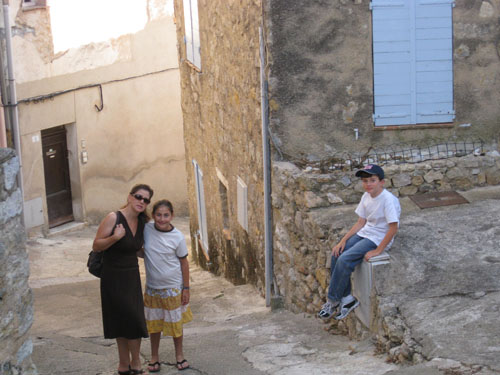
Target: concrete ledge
pixel 66 228
pixel 362 284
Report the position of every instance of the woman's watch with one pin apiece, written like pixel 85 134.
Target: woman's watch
pixel 185 288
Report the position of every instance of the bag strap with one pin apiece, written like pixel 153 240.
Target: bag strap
pixel 117 213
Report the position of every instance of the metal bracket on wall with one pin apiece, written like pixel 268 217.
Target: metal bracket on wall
pixel 99 109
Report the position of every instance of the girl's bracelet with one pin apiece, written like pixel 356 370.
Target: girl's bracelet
pixel 185 288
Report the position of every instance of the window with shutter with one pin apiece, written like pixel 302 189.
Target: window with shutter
pixel 200 199
pixel 192 32
pixel 412 61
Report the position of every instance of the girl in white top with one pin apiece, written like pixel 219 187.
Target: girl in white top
pixel 166 299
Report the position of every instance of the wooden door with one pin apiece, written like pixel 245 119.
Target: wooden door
pixel 57 181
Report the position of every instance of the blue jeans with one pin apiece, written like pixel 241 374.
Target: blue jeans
pixel 342 266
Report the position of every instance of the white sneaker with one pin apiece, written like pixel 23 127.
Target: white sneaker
pixel 328 309
pixel 347 307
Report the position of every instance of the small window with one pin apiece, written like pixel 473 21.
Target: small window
pixel 34 4
pixel 242 203
pixel 192 32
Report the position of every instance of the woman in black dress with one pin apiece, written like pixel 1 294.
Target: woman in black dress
pixel 120 236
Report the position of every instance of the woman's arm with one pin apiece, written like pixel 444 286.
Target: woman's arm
pixel 185 280
pixel 103 238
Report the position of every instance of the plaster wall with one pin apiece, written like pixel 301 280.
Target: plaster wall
pixel 135 138
pixel 222 131
pixel 321 78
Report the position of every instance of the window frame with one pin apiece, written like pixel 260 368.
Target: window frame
pixel 192 33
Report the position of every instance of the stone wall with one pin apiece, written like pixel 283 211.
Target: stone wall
pixel 16 300
pixel 321 78
pixel 312 211
pixel 222 133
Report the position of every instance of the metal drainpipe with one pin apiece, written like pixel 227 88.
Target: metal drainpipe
pixel 12 100
pixel 3 132
pixel 267 172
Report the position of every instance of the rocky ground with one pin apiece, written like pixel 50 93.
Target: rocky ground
pixel 441 294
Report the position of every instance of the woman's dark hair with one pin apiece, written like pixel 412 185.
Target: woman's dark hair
pixel 165 203
pixel 143 215
pixel 138 187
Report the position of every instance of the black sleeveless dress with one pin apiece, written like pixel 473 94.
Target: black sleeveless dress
pixel 121 291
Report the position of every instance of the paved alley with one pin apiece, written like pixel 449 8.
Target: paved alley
pixel 232 331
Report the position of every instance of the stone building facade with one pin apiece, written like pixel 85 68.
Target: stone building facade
pixel 16 307
pixel 117 105
pixel 221 109
pixel 320 75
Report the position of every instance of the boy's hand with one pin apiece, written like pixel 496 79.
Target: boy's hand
pixel 338 248
pixel 371 254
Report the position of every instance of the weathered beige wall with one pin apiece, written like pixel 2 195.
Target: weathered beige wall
pixel 136 138
pixel 222 129
pixel 321 78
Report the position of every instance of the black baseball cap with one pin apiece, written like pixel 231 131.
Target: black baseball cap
pixel 371 169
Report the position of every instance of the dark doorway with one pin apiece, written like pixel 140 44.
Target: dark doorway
pixel 57 181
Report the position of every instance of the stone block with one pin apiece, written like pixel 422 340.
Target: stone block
pixel 462 183
pixel 417 180
pixel 455 172
pixel 10 170
pixel 432 176
pixel 493 176
pixel 400 180
pixel 323 277
pixel 408 190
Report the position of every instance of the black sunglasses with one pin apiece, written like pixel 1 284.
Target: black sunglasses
pixel 139 197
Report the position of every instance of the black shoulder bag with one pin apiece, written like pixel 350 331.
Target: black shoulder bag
pixel 94 263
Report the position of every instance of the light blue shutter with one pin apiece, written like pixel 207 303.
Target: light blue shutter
pixel 188 29
pixel 413 74
pixel 434 64
pixel 392 62
pixel 200 199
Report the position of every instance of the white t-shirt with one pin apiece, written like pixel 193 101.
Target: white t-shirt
pixel 379 212
pixel 162 251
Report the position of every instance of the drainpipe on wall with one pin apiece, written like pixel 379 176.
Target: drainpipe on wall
pixel 3 132
pixel 267 172
pixel 12 96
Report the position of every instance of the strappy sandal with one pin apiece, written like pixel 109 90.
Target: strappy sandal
pixel 153 365
pixel 179 365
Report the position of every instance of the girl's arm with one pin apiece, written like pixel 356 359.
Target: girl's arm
pixel 185 280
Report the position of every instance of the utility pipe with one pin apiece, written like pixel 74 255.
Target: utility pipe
pixel 12 99
pixel 264 105
pixel 3 132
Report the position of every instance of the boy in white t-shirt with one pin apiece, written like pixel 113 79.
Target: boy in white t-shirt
pixel 378 220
